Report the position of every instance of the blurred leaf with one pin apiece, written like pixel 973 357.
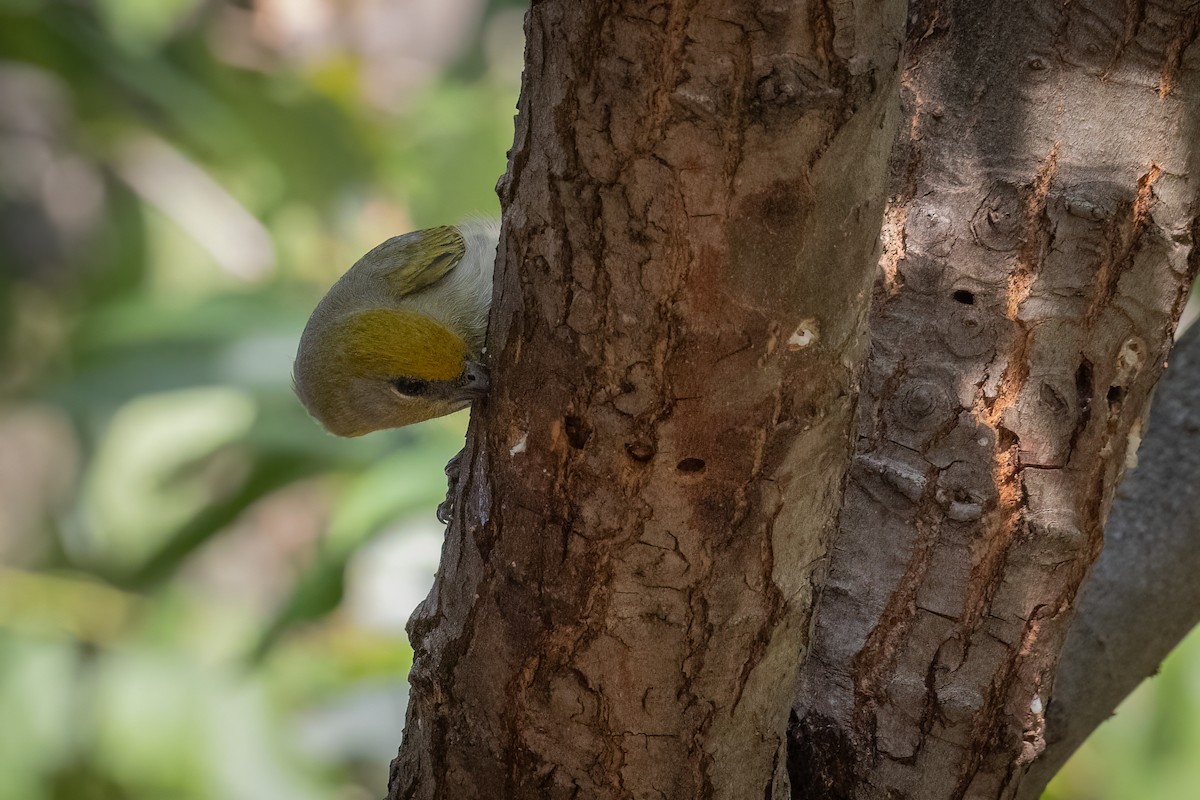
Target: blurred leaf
pixel 130 502
pixel 108 330
pixel 142 25
pixel 80 607
pixel 40 698
pixel 82 781
pixel 399 485
pixel 269 473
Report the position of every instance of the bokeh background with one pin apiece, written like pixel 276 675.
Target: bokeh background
pixel 202 595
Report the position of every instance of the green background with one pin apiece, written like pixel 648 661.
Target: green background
pixel 202 595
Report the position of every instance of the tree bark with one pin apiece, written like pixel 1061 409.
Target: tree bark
pixel 692 210
pixel 1142 597
pixel 1038 253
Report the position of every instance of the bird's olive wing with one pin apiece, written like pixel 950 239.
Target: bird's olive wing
pixel 411 262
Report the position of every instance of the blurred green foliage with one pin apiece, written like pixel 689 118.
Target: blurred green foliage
pixel 1150 750
pixel 202 594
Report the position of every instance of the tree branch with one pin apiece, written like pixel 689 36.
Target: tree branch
pixel 1142 596
pixel 1034 274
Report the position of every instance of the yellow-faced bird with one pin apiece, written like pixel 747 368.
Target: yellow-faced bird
pixel 400 337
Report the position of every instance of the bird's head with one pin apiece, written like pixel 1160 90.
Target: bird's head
pixel 394 341
pixel 383 368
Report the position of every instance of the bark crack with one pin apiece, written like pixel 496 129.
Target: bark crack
pixel 1179 45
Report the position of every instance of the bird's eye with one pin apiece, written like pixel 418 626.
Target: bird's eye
pixel 413 387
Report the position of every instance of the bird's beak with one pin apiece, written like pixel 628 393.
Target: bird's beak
pixel 474 380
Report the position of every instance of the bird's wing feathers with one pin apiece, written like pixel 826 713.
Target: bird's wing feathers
pixel 416 260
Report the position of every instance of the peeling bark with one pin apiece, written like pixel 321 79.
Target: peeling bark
pixel 692 210
pixel 1039 249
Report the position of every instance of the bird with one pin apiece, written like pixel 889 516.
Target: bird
pixel 400 337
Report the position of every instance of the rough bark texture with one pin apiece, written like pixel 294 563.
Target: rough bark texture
pixel 1037 256
pixel 1142 596
pixel 692 210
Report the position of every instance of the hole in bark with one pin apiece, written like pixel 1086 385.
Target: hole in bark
pixel 1083 401
pixel 964 297
pixel 1006 439
pixel 1083 386
pixel 1115 395
pixel 578 432
pixel 691 465
pixel 640 451
pixel 820 758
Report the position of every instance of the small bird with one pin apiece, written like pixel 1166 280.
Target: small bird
pixel 400 337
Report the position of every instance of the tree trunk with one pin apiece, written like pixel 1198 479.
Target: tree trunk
pixel 692 210
pixel 1038 253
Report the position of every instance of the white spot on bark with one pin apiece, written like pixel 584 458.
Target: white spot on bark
pixel 696 102
pixel 1132 444
pixel 519 447
pixel 805 334
pixel 1132 355
pixel 1036 705
pixel 964 512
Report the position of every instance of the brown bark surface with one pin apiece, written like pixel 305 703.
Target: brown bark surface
pixel 1038 253
pixel 692 211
